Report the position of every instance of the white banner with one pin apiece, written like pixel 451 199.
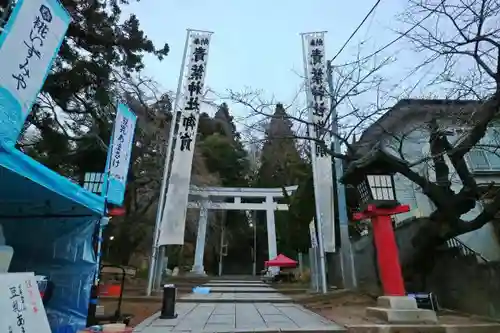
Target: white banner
pixel 21 305
pixel 318 100
pixel 174 213
pixel 28 46
pixel 119 154
pixel 312 233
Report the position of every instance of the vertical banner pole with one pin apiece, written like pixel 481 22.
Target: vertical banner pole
pixel 346 257
pixel 164 183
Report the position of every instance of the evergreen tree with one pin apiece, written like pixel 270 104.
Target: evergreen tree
pixel 85 88
pixel 224 122
pixel 225 156
pixel 223 151
pixel 282 165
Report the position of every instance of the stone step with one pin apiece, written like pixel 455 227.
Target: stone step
pixel 235 283
pixel 238 290
pixel 234 301
pixel 236 298
pixel 402 315
pixel 400 303
pixel 249 283
pixel 237 278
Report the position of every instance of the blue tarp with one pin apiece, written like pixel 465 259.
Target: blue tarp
pixel 61 249
pixel 50 222
pixel 29 188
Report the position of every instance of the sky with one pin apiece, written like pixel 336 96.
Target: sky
pixel 256 44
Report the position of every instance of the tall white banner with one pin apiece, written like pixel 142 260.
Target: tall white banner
pixel 174 213
pixel 29 44
pixel 318 101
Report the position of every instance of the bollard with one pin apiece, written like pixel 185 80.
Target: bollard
pixel 168 304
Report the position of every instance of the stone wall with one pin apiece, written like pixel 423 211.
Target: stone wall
pixel 460 283
pixel 365 256
pixel 466 285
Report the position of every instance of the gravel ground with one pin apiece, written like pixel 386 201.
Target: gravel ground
pixel 349 310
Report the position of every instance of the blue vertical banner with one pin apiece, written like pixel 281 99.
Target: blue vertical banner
pixel 29 44
pixel 119 153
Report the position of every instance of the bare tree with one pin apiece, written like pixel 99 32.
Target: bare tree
pixel 154 114
pixel 463 36
pixel 462 39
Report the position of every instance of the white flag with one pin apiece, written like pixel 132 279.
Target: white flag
pixel 319 112
pixel 174 213
pixel 29 44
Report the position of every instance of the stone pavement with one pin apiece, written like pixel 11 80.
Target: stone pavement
pixel 267 311
pixel 237 297
pixel 245 289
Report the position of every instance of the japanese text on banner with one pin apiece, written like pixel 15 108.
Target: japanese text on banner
pixel 193 91
pixel 174 216
pixel 120 154
pixel 28 45
pixel 319 112
pixel 318 90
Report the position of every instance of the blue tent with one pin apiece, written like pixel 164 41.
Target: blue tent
pixel 50 222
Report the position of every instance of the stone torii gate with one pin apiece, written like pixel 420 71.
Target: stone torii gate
pixel 205 194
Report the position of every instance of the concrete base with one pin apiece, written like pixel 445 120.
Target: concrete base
pixel 401 309
pixel 197 271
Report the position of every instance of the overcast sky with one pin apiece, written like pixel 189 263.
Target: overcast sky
pixel 256 43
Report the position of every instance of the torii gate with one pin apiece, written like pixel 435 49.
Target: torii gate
pixel 204 204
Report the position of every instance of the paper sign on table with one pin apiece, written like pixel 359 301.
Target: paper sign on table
pixel 21 307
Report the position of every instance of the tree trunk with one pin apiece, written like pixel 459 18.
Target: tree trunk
pixel 430 234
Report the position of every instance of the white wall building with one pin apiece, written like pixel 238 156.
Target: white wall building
pixel 403 131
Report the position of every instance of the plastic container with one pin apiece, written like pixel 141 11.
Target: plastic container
pixel 110 290
pixel 201 290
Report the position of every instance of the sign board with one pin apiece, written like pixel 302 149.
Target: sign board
pixel 29 44
pixel 119 154
pixel 21 307
pixel 312 233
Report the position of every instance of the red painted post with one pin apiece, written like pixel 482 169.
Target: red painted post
pixel 387 248
pixel 387 256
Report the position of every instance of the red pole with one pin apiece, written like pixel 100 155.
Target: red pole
pixel 387 256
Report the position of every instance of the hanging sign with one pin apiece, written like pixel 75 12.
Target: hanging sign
pixel 312 233
pixel 319 129
pixel 174 213
pixel 29 44
pixel 119 155
pixel 21 307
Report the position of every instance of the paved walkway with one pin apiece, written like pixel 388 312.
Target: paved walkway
pixel 235 311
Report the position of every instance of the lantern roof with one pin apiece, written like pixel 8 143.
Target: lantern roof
pixel 375 162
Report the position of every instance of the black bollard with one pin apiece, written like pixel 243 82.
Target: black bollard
pixel 168 304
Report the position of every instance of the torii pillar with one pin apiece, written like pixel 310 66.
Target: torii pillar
pixel 198 268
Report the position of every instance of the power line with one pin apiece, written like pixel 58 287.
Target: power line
pixel 394 41
pixel 355 31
